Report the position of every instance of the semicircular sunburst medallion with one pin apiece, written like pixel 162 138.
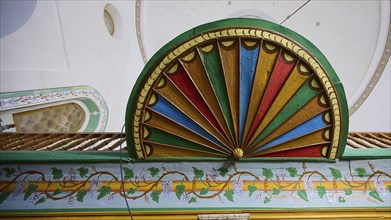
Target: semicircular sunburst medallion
pixel 237 88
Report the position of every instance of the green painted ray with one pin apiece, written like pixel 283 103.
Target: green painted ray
pixel 212 63
pixel 161 137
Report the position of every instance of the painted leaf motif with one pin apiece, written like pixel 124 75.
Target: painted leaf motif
pixel 9 171
pixel 192 199
pixel 156 195
pixel 104 190
pixel 267 173
pixel 389 188
pixel 275 191
pixel 178 194
pixel 348 192
pixel 57 173
pixel 128 173
pixel 229 194
pixel 80 195
pixel 154 171
pixel 83 171
pixel 179 189
pixel 321 191
pixel 292 171
pixel 303 195
pixel 251 189
pixel 375 194
pixel 360 171
pixel 198 174
pixel 41 200
pixel 203 191
pixel 223 171
pixel 56 192
pixel 131 191
pixel 30 190
pixel 336 173
pixel 4 196
pixel 266 200
pixel 341 199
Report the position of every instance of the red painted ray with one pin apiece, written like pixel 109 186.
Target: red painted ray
pixel 312 151
pixel 279 75
pixel 187 87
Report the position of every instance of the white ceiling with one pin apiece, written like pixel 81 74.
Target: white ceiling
pixel 66 43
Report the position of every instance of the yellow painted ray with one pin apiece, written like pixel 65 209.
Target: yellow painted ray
pixel 161 150
pixel 170 92
pixel 310 110
pixel 198 75
pixel 229 53
pixel 295 80
pixel 267 57
pixel 161 122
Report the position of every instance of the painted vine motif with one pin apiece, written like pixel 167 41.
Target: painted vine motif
pixel 227 183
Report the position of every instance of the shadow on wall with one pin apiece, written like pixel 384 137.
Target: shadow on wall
pixel 14 14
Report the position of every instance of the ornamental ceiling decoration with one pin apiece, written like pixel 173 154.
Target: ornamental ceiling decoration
pixel 237 88
pixel 62 109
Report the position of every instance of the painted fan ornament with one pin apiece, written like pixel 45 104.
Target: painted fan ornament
pixel 240 89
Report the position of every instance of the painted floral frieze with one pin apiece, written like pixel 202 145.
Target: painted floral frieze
pixel 195 185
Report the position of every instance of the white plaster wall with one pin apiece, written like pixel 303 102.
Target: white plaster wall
pixel 375 114
pixel 66 43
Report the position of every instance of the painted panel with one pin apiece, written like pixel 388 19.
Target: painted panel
pixel 172 186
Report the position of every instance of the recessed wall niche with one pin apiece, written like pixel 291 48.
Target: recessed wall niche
pixel 113 20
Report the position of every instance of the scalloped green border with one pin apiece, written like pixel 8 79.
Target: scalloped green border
pixel 237 22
